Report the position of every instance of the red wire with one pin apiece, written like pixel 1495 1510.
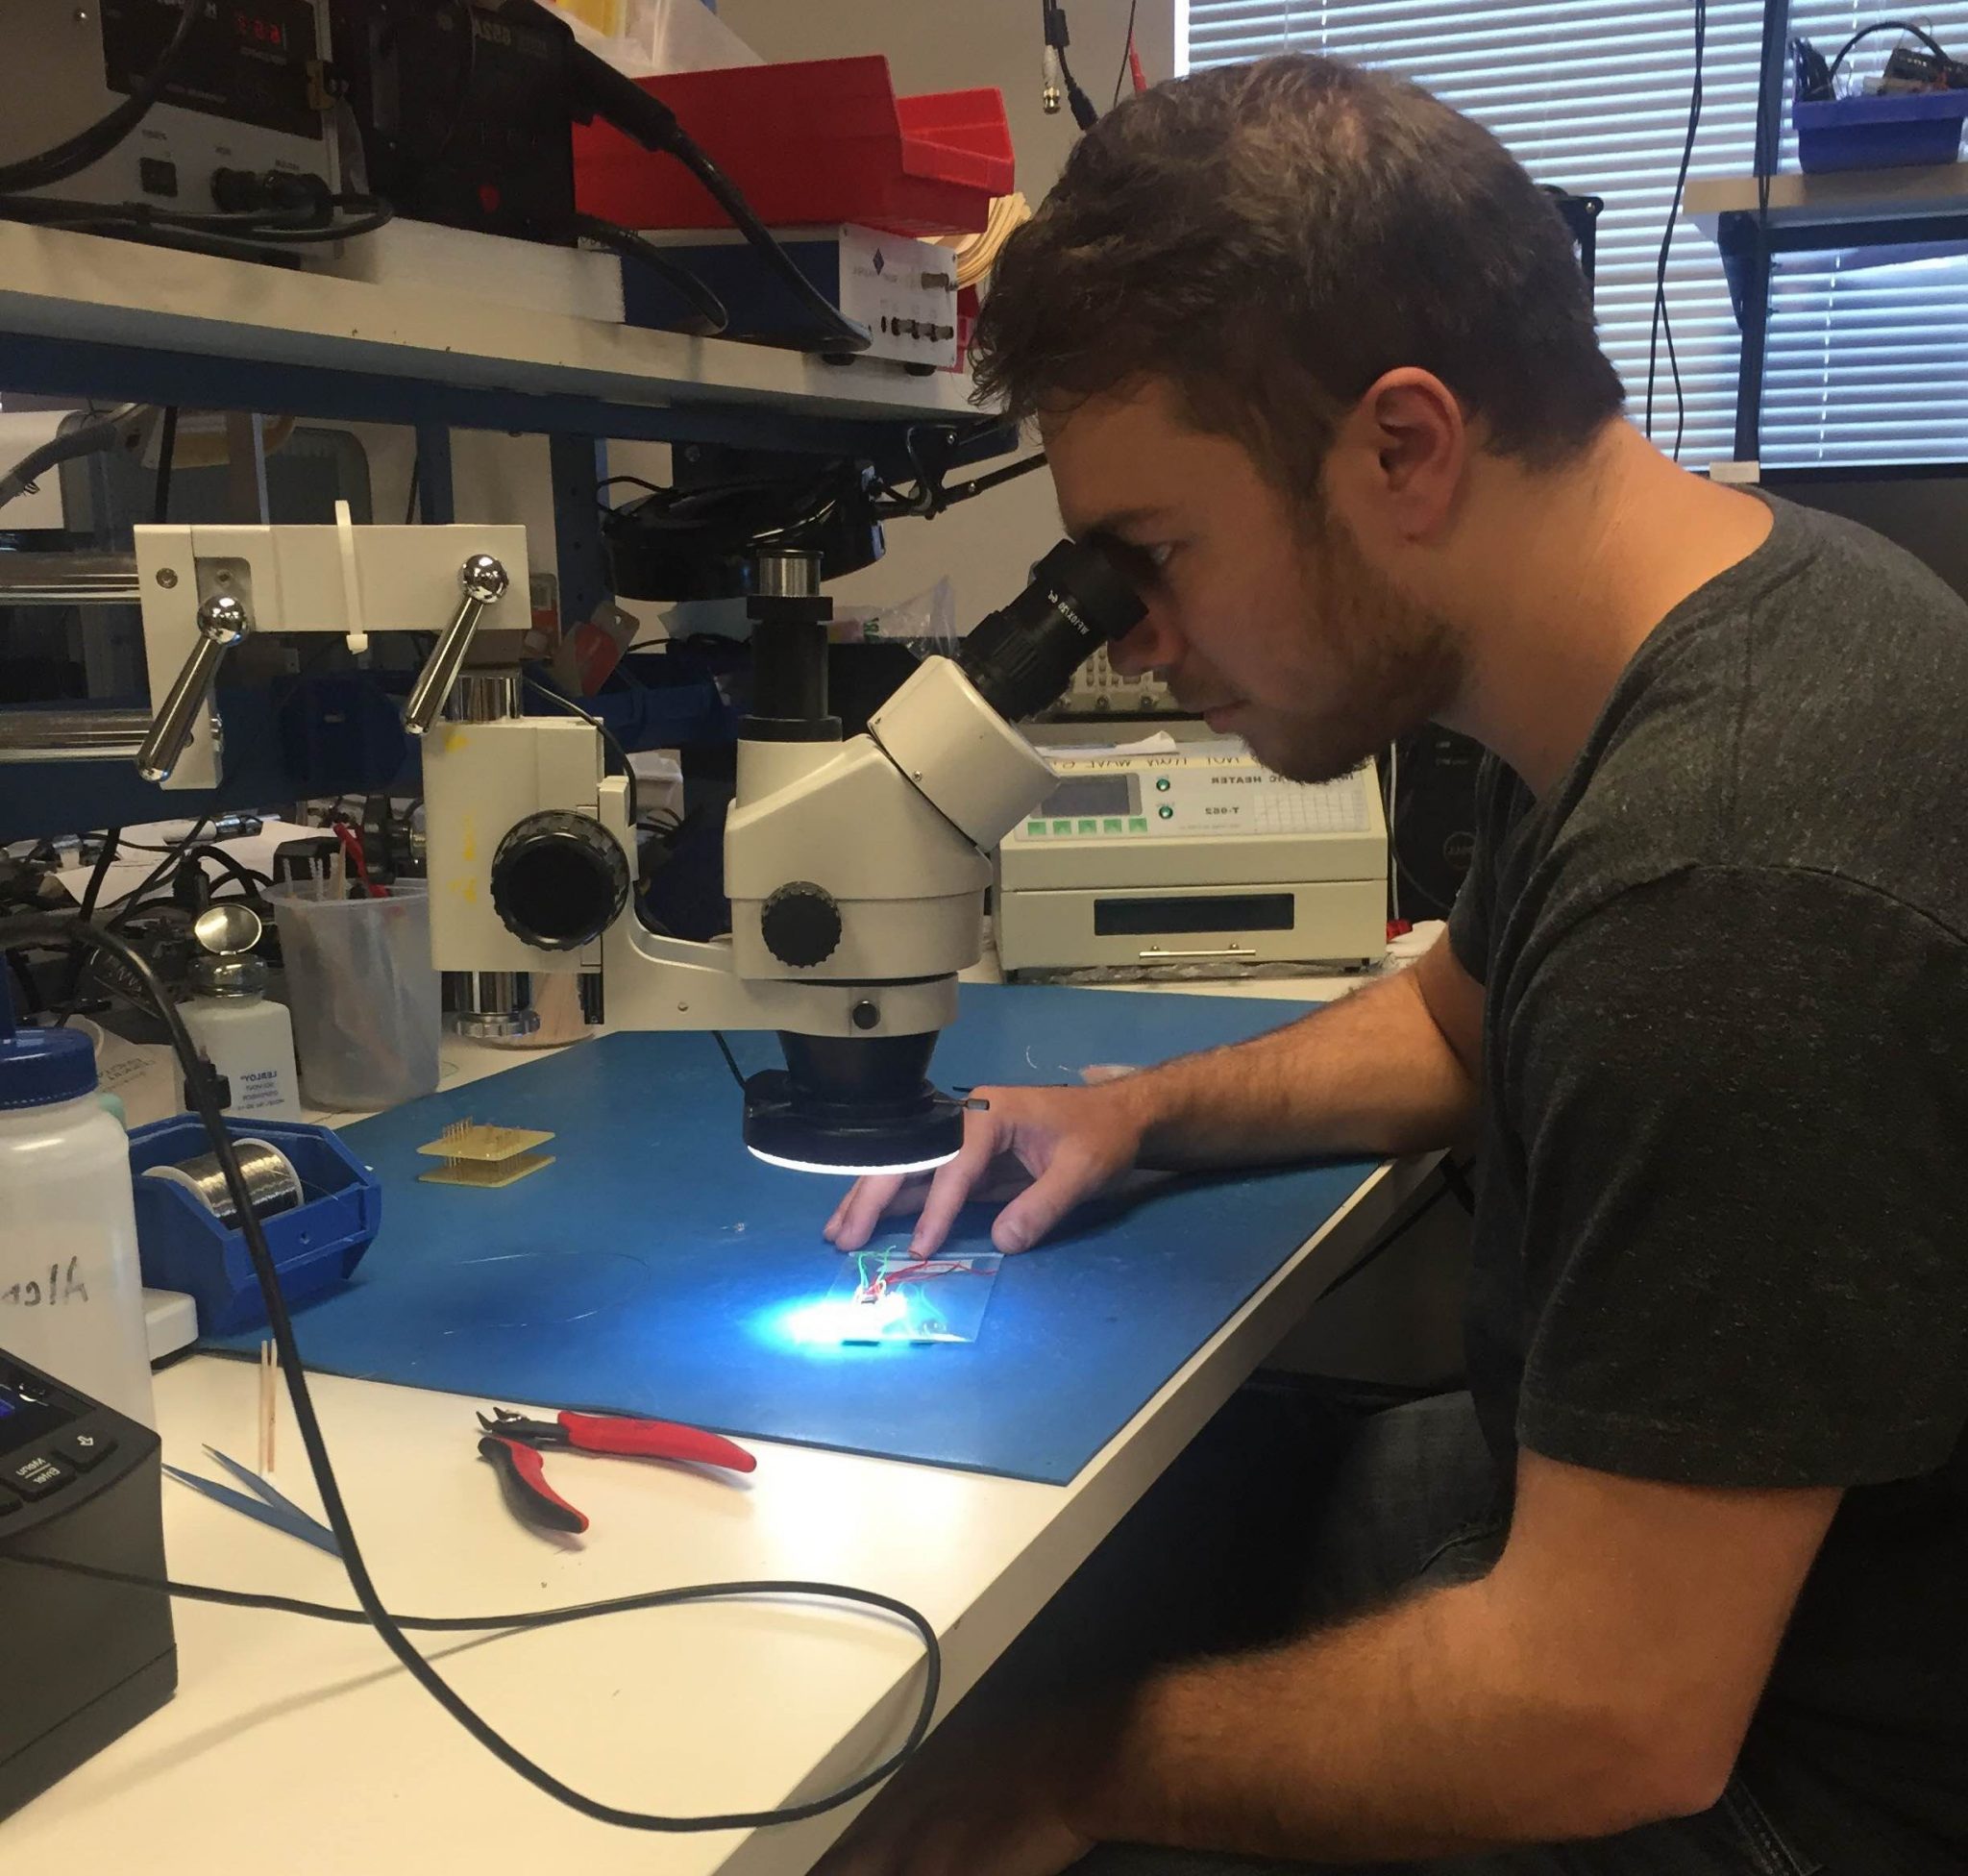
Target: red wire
pixel 351 846
pixel 916 1273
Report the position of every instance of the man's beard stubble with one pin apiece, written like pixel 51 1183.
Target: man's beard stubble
pixel 1398 663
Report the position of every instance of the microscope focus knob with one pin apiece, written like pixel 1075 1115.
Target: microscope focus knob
pixel 558 880
pixel 800 924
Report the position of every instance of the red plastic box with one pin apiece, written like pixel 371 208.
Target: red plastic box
pixel 820 141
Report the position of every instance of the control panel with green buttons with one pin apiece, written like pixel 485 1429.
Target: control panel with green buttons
pixel 1215 792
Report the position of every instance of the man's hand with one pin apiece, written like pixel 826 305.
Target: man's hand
pixel 1390 1070
pixel 1050 1147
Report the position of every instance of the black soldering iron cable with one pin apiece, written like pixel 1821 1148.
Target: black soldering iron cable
pixel 372 1610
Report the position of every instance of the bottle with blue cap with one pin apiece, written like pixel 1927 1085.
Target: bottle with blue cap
pixel 71 1291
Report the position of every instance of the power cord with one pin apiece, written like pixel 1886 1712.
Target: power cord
pixel 1661 326
pixel 1393 820
pixel 1128 54
pixel 602 92
pixel 837 332
pixel 392 1628
pixel 167 450
pixel 712 319
pixel 1454 1183
pixel 607 735
pixel 1906 26
pixel 122 908
pixel 294 225
pixel 91 146
pixel 122 427
pixel 1058 73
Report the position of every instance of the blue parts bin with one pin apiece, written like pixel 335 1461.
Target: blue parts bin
pixel 184 1244
pixel 1885 132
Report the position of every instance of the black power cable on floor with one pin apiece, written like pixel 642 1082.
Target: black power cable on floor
pixel 389 1627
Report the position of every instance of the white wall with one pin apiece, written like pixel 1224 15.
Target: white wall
pixel 948 45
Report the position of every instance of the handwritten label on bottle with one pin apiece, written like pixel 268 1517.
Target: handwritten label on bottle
pixel 66 1284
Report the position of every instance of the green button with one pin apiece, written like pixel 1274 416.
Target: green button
pixel 1062 826
pixel 1110 826
pixel 1035 826
pixel 1167 812
pixel 1161 783
pixel 1138 824
pixel 1090 826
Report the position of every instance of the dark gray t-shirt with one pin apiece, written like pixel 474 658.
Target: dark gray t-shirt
pixel 1722 1235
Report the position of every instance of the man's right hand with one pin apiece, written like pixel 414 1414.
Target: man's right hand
pixel 1042 1148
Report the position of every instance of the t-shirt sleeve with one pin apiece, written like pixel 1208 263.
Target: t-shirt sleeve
pixel 1745 1116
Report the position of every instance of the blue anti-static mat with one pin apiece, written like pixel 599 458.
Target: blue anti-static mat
pixel 653 1268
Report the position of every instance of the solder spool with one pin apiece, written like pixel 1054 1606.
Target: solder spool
pixel 271 1181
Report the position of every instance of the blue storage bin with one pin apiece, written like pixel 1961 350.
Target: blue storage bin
pixel 181 1245
pixel 1879 132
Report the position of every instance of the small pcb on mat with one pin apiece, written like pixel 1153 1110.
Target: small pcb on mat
pixel 476 1153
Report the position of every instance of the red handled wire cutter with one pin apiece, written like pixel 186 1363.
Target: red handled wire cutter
pixel 511 1443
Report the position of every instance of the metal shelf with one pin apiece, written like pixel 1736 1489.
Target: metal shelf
pixel 89 314
pixel 1899 198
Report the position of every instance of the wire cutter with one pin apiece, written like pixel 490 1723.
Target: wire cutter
pixel 511 1443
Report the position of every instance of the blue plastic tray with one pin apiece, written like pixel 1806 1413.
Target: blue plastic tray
pixel 181 1246
pixel 1879 133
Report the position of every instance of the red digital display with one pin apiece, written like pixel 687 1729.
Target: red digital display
pixel 260 30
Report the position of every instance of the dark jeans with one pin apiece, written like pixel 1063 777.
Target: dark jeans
pixel 1410 1499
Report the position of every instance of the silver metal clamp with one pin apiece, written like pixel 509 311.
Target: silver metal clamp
pixel 484 581
pixel 222 622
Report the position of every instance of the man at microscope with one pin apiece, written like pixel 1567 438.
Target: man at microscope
pixel 1677 1586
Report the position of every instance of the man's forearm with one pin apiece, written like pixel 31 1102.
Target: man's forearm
pixel 1371 1073
pixel 1423 1731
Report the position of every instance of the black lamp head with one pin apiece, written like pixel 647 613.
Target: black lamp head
pixel 847 1105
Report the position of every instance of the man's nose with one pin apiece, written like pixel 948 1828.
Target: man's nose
pixel 1148 646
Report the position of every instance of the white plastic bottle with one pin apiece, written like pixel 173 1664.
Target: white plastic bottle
pixel 72 1295
pixel 249 1040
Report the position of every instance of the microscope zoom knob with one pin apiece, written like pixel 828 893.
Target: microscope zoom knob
pixel 800 924
pixel 558 880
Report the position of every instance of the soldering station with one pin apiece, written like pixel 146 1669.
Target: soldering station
pixel 453 884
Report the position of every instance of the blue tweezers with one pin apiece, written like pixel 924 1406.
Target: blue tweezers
pixel 267 1505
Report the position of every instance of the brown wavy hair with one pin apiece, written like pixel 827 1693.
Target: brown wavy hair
pixel 1270 239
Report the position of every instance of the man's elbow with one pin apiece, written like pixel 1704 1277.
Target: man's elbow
pixel 1648 1765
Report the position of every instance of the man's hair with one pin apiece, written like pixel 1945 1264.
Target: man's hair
pixel 1270 239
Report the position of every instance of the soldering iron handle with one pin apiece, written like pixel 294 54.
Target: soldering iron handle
pixel 484 581
pixel 222 622
pixel 655 1440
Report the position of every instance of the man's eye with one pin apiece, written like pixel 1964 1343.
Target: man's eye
pixel 1144 564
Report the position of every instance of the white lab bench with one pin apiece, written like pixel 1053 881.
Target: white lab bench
pixel 302 1747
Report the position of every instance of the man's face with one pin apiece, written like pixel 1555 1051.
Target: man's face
pixel 1267 621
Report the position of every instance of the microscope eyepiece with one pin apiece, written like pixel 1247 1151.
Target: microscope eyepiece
pixel 1023 657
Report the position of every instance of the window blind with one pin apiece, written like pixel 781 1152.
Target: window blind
pixel 1863 360
pixel 1868 353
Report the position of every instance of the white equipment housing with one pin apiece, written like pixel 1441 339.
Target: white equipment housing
pixel 1193 854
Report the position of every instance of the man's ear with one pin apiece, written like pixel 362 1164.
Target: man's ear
pixel 1396 466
